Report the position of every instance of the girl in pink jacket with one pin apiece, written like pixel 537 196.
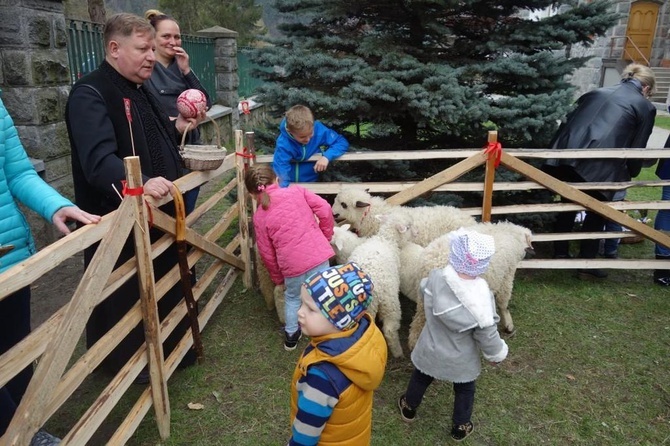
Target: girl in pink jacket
pixel 293 230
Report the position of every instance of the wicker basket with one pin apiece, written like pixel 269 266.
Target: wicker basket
pixel 202 157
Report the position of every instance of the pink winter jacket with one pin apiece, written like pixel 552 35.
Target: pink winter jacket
pixel 290 240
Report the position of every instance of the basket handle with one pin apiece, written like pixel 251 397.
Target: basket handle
pixel 183 136
pixel 216 127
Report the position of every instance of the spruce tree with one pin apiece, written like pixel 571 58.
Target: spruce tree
pixel 429 74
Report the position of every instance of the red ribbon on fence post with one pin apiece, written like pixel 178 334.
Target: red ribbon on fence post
pixel 494 151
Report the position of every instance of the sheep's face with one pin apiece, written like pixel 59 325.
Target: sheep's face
pixel 350 206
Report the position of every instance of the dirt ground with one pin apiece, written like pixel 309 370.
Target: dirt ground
pixel 55 289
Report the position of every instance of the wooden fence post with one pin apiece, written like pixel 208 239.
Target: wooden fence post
pixel 241 164
pixel 147 282
pixel 489 177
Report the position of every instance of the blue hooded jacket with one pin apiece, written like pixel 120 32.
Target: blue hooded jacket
pixel 289 158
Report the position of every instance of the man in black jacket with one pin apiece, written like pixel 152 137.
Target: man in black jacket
pixel 613 117
pixel 110 115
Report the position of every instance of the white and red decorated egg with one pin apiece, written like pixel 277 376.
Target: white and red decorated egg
pixel 190 102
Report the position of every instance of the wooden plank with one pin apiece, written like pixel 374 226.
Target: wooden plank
pixel 129 425
pixel 147 289
pixel 593 263
pixel 109 397
pixel 581 198
pixel 459 153
pixel 438 179
pixel 242 198
pixel 489 177
pixel 30 413
pixel 564 207
pixel 167 224
pixel 462 186
pixel 23 274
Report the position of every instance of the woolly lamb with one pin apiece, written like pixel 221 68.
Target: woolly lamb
pixel 379 257
pixel 357 207
pixel 512 243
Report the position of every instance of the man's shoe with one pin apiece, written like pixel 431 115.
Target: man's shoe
pixel 612 255
pixel 591 274
pixel 662 281
pixel 291 341
pixel 460 432
pixel 406 413
pixel 44 438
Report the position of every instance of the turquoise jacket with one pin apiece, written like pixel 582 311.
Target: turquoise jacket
pixel 20 182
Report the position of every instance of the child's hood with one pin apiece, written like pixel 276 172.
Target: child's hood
pixel 360 356
pixel 461 304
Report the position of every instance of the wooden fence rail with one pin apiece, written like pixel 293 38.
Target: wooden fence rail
pixel 60 372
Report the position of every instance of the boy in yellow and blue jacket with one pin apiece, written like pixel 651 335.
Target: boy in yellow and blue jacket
pixel 334 381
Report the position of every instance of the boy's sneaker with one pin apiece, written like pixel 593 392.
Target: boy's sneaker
pixel 406 413
pixel 291 341
pixel 460 432
pixel 43 438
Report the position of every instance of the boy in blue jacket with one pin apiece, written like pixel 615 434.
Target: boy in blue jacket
pixel 300 137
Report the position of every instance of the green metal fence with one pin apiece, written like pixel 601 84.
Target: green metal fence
pixel 85 51
pixel 248 83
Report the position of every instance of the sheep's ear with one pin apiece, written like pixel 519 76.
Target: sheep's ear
pixel 346 226
pixel 402 228
pixel 339 244
pixel 362 204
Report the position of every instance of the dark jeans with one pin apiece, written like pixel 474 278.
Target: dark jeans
pixel 14 326
pixel 464 396
pixel 588 249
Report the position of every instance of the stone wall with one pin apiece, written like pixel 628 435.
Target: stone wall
pixel 35 83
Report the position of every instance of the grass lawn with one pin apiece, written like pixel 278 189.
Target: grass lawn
pixel 588 365
pixel 663 122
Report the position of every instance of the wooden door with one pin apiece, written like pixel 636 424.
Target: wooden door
pixel 640 32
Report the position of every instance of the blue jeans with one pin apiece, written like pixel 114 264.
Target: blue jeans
pixel 292 297
pixel 611 245
pixel 662 222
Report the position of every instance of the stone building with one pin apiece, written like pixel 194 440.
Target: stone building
pixel 641 35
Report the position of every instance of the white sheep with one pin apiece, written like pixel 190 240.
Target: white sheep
pixel 379 257
pixel 354 205
pixel 512 242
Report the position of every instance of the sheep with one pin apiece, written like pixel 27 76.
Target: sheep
pixel 356 206
pixel 512 243
pixel 379 257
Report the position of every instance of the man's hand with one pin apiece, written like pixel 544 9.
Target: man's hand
pixel 158 187
pixel 192 123
pixel 321 165
pixel 66 213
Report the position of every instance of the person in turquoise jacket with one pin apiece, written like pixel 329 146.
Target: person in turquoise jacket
pixel 300 137
pixel 20 182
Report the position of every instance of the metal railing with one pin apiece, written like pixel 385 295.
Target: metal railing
pixel 85 51
pixel 624 51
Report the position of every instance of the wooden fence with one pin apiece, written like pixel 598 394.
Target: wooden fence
pixel 60 370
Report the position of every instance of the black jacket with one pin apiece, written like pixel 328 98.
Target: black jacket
pixel 612 117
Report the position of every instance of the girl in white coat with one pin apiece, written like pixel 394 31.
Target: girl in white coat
pixel 461 322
